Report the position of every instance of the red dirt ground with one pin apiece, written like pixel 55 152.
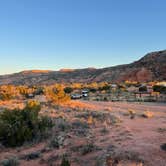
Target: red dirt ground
pixel 140 135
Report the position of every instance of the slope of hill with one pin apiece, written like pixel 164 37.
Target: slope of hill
pixel 149 68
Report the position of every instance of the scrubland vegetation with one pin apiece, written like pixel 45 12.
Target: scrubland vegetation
pixel 59 93
pixel 50 129
pixel 20 126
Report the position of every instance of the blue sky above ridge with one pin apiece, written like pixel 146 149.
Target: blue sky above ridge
pixel 54 34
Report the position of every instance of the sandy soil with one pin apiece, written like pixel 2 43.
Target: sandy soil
pixel 132 141
pixel 144 136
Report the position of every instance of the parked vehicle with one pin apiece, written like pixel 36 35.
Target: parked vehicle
pixel 85 93
pixel 76 96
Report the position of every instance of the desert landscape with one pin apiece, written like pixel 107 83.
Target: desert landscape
pixel 82 83
pixel 83 123
pixel 98 133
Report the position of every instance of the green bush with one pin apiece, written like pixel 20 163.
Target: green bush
pixel 39 91
pixel 105 87
pixel 68 90
pixel 12 161
pixel 20 126
pixel 163 146
pixel 143 89
pixel 62 124
pixel 160 88
pixel 77 124
pixel 85 149
pixel 93 90
pixel 65 162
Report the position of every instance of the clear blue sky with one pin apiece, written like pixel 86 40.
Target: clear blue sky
pixel 54 34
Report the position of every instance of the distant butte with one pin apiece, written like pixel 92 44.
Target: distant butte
pixel 152 67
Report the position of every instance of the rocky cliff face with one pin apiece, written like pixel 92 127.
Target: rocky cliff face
pixel 149 68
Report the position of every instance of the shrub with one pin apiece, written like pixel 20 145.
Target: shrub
pixel 62 124
pixel 80 125
pixel 56 94
pixel 159 88
pixel 39 91
pixel 33 104
pixel 132 113
pixel 93 90
pixel 31 156
pixel 88 148
pixel 5 96
pixel 8 92
pixel 104 130
pixel 54 143
pixel 20 126
pixel 12 161
pixel 85 149
pixel 81 132
pixel 99 117
pixel 68 90
pixel 57 141
pixel 147 114
pixel 90 120
pixel 65 162
pixel 143 89
pixel 161 130
pixel 105 87
pixel 105 99
pixel 117 156
pixel 163 146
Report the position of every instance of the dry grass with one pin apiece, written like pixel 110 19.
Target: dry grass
pixel 131 111
pixel 78 105
pixel 85 149
pixel 118 158
pixel 147 114
pixel 12 104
